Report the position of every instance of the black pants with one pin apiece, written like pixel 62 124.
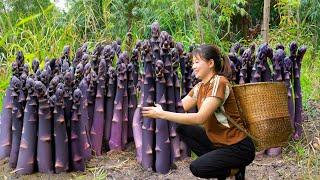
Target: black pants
pixel 216 162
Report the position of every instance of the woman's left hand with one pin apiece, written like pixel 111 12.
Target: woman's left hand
pixel 152 112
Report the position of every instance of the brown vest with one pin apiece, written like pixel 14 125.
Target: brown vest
pixel 219 130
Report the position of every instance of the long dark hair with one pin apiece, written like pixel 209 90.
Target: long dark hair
pixel 221 63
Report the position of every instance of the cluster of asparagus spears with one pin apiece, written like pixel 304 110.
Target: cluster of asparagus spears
pixel 268 65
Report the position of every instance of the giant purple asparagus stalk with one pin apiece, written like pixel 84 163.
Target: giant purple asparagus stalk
pixel 189 76
pixel 96 133
pixel 261 70
pixel 20 62
pixel 235 48
pixel 78 74
pixel 166 57
pixel 279 46
pixel 155 41
pixel 44 149
pixel 182 61
pixel 5 124
pixel 77 138
pixel 27 153
pixel 293 47
pixel 66 54
pixel 79 53
pixel 84 117
pixel 35 69
pixel 235 70
pixel 188 61
pixel 109 103
pixel 68 91
pixel 247 59
pixel 123 58
pixel 148 100
pixel 287 71
pixel 116 45
pixel 97 54
pixel 137 127
pixel 67 102
pixel 6 117
pixel 23 79
pixel 266 71
pixel 53 85
pixel 278 64
pixel 17 121
pixel 108 54
pixel 184 151
pixel 236 62
pixel 163 158
pixel 60 133
pixel 137 132
pixel 132 95
pixel 65 67
pixel 92 96
pixel 45 77
pixel 15 69
pixel 297 91
pixel 115 142
pixel 77 58
pixel 35 65
pixel 84 86
pixel 135 62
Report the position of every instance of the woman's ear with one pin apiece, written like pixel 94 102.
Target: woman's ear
pixel 211 63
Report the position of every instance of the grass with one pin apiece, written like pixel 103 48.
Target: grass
pixel 99 173
pixel 305 153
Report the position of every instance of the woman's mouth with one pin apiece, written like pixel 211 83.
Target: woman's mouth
pixel 196 73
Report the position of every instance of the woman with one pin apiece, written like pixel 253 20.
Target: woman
pixel 222 149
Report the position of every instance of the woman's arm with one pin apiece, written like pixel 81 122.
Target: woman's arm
pixel 188 102
pixel 208 107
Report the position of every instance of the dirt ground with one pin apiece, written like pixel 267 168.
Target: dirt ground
pixel 299 159
pixel 122 165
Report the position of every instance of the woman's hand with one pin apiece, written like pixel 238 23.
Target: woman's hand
pixel 152 112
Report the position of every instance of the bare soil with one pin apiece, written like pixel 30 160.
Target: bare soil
pixel 122 165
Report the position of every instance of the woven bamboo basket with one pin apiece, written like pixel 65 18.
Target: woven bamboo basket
pixel 264 109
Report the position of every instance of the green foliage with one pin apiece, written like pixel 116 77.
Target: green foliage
pixel 41 30
pixel 177 17
pixel 90 18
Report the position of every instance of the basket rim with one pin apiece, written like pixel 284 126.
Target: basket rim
pixel 256 83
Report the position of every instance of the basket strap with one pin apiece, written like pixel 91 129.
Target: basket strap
pixel 238 126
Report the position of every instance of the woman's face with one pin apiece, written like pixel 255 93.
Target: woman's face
pixel 201 67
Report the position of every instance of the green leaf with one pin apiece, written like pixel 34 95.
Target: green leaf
pixel 32 17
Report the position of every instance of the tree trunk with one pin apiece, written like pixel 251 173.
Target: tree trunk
pixel 198 14
pixel 266 17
